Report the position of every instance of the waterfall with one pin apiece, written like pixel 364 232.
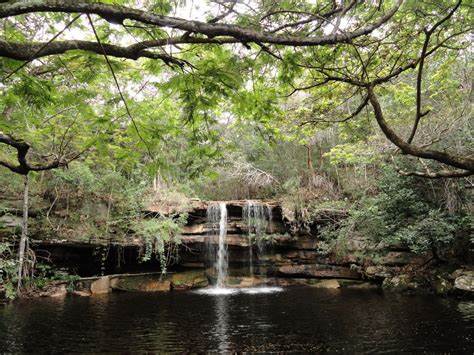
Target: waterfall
pixel 258 216
pixel 217 217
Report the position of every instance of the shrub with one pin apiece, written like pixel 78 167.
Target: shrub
pixel 401 213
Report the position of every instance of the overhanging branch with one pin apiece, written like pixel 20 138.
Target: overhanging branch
pixel 118 14
pixel 464 163
pixel 30 51
pixel 24 167
pixel 443 174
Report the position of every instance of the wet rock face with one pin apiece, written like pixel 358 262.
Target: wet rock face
pixel 318 271
pixel 236 224
pixel 294 256
pixel 243 282
pixel 188 280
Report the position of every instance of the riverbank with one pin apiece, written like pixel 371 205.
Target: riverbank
pixel 459 285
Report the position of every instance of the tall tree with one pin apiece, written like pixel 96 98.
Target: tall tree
pixel 373 43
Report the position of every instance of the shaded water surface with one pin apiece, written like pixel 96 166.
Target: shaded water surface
pixel 297 319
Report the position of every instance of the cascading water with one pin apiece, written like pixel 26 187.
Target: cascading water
pixel 217 219
pixel 258 217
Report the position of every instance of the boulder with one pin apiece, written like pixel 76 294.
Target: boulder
pixel 83 285
pixel 465 281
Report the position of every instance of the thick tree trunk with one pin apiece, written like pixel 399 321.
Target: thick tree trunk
pixel 24 234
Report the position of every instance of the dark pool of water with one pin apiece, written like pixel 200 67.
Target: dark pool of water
pixel 297 319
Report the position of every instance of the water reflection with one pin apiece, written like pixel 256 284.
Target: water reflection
pixel 221 330
pixel 217 291
pixel 220 291
pixel 298 319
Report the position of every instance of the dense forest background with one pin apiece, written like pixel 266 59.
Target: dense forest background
pixel 221 117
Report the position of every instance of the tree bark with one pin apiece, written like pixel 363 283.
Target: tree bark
pixel 24 234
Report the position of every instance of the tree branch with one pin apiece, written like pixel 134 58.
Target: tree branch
pixel 439 174
pixel 230 9
pixel 44 45
pixel 419 78
pixel 118 14
pixel 24 167
pixel 30 51
pixel 312 17
pixel 465 163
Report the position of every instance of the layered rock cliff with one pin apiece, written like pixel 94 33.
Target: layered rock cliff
pixel 282 254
